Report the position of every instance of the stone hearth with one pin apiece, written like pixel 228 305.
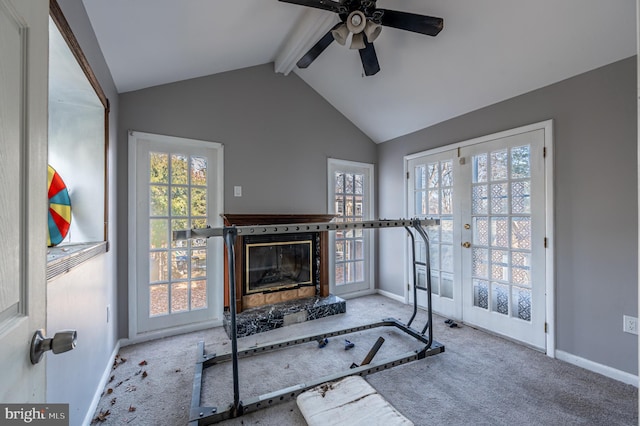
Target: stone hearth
pixel 265 318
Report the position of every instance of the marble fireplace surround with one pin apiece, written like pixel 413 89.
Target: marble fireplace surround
pixel 272 309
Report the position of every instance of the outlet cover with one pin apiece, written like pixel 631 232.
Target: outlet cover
pixel 630 324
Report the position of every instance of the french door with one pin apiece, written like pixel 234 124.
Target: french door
pixel 350 189
pixel 488 256
pixel 178 186
pixel 433 195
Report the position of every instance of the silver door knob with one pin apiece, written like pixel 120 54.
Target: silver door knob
pixel 63 341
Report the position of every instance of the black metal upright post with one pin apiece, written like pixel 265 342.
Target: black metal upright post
pixel 425 238
pixel 230 234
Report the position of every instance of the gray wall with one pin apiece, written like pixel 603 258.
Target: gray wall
pixel 277 134
pixel 596 199
pixel 79 299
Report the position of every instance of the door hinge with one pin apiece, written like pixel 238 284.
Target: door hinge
pixel 408 286
pixel 407 175
pixel 544 152
pixel 545 242
pixel 546 327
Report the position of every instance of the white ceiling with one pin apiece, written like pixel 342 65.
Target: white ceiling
pixel 488 51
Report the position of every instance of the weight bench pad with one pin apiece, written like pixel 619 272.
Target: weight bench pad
pixel 350 401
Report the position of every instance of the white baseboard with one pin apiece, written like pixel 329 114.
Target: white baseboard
pixel 168 332
pixel 605 370
pixel 391 296
pixel 355 294
pixel 103 382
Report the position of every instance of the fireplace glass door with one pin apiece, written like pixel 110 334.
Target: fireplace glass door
pixel 279 263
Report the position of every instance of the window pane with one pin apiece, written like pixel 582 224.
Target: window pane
pixel 500 298
pixel 433 175
pixel 481 294
pixel 499 165
pixel 198 202
pixel 159 300
pixel 499 198
pixel 521 303
pixel 179 201
pixel 198 171
pixel 359 184
pixel 198 263
pixel 447 201
pixel 499 232
pixel 480 231
pixel 158 266
pixel 158 200
pixel 447 173
pixel 339 188
pixel 179 225
pixel 179 297
pixel 520 162
pixel 521 197
pixel 348 183
pixel 179 169
pixel 198 294
pixel 159 233
pixel 420 177
pixel 158 167
pixel 179 264
pixel 479 168
pixel 521 232
pixel 479 201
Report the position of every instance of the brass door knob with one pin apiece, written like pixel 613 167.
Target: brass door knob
pixel 466 244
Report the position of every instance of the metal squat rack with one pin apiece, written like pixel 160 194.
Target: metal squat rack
pixel 205 415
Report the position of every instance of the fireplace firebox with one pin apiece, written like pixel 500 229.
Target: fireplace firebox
pixel 277 262
pixel 278 268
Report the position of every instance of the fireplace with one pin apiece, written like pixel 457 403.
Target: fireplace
pixel 278 262
pixel 281 267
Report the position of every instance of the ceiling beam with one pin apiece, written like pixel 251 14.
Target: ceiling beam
pixel 311 26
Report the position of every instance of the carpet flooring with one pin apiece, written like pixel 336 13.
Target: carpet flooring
pixel 480 379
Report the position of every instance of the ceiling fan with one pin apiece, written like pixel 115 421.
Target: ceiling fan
pixel 363 21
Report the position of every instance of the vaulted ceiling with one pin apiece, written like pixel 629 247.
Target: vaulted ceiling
pixel 488 51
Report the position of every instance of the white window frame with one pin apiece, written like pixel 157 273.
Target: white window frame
pixel 368 169
pixel 135 335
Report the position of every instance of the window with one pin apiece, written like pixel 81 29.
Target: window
pixel 350 191
pixel 77 152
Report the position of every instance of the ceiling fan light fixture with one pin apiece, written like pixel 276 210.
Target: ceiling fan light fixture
pixel 356 22
pixel 340 34
pixel 357 41
pixel 372 30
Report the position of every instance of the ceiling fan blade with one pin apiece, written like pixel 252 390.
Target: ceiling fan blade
pixel 428 25
pixel 369 59
pixel 333 6
pixel 317 48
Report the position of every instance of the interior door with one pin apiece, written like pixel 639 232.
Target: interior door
pixel 23 172
pixel 503 256
pixel 432 195
pixel 178 186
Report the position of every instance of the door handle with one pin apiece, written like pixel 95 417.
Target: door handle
pixel 466 244
pixel 63 341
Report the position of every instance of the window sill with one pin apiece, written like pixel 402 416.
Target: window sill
pixel 62 259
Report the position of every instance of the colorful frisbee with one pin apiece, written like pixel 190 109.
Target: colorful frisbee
pixel 59 209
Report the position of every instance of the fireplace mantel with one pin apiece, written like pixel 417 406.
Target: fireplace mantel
pixel 231 219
